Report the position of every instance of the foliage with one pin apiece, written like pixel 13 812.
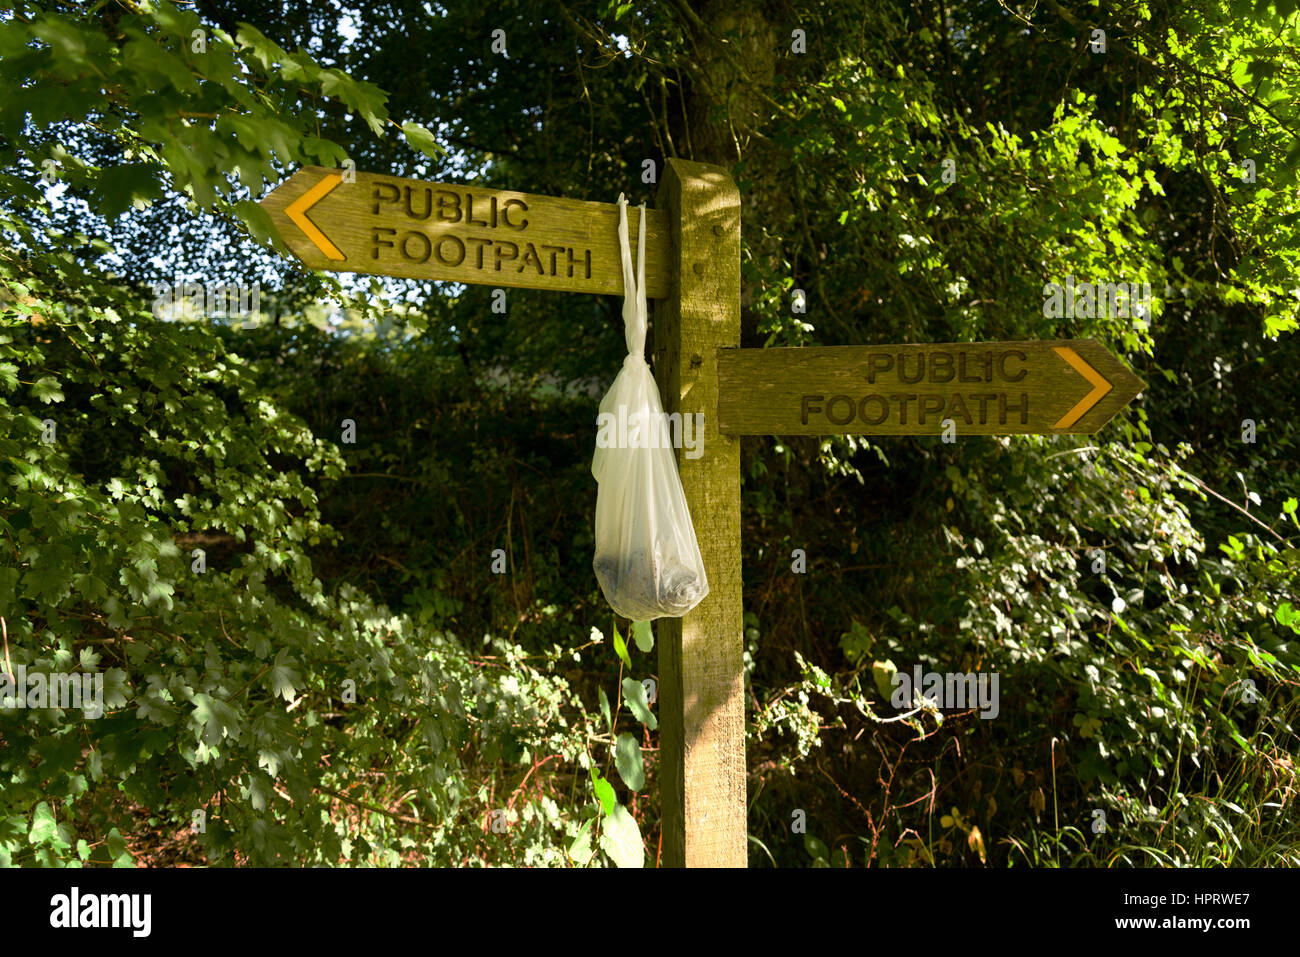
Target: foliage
pixel 920 172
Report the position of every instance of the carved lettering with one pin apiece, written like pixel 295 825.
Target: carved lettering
pixel 902 398
pixel 428 204
pixel 422 245
pixel 862 410
pixel 1002 365
pixel 505 213
pixel 456 244
pixel 448 206
pixel 1004 408
pixel 941 367
pixel 808 405
pixel 530 255
pixel 379 197
pixel 441 217
pixel 500 252
pixel 376 241
pixel 956 407
pixel 469 212
pixel 902 368
pixel 483 243
pixel 930 404
pixel 830 410
pixel 878 362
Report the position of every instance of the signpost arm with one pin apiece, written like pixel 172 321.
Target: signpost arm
pixel 701 677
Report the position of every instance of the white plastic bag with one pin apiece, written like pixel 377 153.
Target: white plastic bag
pixel 647 557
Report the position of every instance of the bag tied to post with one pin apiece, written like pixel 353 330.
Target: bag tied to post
pixel 647 558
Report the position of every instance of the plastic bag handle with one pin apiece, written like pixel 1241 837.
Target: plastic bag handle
pixel 634 304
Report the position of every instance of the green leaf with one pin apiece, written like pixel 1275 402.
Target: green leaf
pixel 580 850
pixel 283 679
pixel 125 185
pixel 817 850
pixel 634 695
pixel 257 220
pixel 604 791
pixel 1287 615
pixel 620 838
pixel 422 139
pixel 643 636
pixel 882 672
pixel 620 648
pixel 215 719
pixel 67 43
pixel 627 757
pixel 47 389
pixel 604 699
pixel 44 828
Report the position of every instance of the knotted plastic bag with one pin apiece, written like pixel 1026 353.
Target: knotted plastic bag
pixel 647 558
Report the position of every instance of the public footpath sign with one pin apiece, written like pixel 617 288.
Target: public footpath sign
pixel 383 225
pixel 972 388
pixel 404 227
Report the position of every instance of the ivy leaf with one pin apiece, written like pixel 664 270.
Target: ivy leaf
pixel 620 838
pixel 627 757
pixel 44 828
pixel 116 844
pixel 634 695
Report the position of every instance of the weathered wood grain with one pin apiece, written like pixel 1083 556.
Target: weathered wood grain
pixel 701 683
pixel 986 388
pixel 384 225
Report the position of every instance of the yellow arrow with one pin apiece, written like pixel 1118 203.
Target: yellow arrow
pixel 1099 387
pixel 297 211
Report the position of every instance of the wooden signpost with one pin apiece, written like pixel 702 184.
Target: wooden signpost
pixel 981 388
pixel 388 226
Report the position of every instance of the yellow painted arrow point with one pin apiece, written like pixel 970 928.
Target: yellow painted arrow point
pixel 1099 387
pixel 297 211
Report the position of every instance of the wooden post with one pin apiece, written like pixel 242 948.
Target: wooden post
pixel 701 677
